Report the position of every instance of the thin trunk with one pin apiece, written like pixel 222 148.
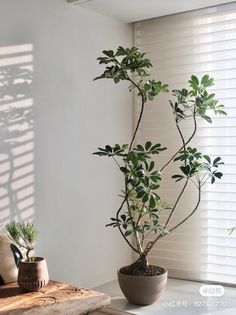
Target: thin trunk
pixel 152 243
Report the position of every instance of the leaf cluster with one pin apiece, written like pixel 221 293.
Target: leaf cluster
pixel 195 163
pixel 122 63
pixel 197 101
pixel 128 64
pixel 116 150
pixel 23 234
pixel 141 183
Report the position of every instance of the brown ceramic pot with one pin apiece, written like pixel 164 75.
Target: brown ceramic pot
pixel 142 290
pixel 33 275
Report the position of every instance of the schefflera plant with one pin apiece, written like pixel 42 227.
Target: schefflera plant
pixel 139 213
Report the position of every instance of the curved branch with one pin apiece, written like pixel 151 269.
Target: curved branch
pixel 28 252
pixel 177 202
pixel 114 159
pixel 152 243
pixel 140 115
pixel 194 210
pixel 132 221
pixel 185 143
pixel 27 248
pixel 121 232
pixel 141 215
pixel 183 140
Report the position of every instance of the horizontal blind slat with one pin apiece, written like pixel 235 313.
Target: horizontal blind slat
pixel 199 42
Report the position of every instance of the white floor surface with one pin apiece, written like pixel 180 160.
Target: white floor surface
pixel 181 297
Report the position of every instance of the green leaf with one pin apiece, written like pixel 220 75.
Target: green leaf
pixel 148 145
pixel 177 177
pixel 140 148
pixel 195 80
pixel 108 148
pixel 128 232
pixel 145 197
pixel 206 157
pixel 109 53
pixel 123 217
pixel 207 118
pixel 100 77
pixel 209 82
pixel 205 79
pixel 215 162
pixel 185 169
pixel 114 219
pixel 154 186
pixel 124 170
pixel 111 224
pixel 140 194
pixel 121 51
pixel 151 166
pixel 221 112
pixel 218 174
pixel 155 222
pixel 152 202
pixel 155 178
pixel 156 146
pixel 116 80
pixel 210 96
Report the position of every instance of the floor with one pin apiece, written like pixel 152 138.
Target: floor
pixel 181 297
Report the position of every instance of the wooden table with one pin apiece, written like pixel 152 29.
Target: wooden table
pixel 56 298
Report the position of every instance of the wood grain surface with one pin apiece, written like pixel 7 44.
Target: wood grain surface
pixel 55 298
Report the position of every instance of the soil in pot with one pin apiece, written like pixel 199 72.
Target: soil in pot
pixel 145 287
pixel 151 270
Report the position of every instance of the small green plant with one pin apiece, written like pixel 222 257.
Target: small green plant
pixel 23 234
pixel 139 213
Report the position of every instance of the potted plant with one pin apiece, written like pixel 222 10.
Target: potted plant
pixel 33 273
pixel 138 214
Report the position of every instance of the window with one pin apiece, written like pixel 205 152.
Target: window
pixel 196 42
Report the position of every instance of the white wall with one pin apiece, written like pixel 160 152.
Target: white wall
pixel 75 192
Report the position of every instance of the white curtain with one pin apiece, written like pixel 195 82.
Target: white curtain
pixel 196 42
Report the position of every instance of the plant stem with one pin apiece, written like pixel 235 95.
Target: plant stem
pixel 133 224
pixel 121 232
pixel 177 201
pixel 182 138
pixel 140 115
pixel 186 143
pixel 126 197
pixel 114 159
pixel 137 224
pixel 194 210
pixel 27 253
pixel 150 245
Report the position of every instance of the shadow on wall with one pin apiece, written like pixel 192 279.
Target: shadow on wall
pixel 16 134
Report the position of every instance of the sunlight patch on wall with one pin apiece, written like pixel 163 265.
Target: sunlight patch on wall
pixel 16 133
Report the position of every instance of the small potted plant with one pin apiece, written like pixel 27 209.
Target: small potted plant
pixel 33 273
pixel 139 213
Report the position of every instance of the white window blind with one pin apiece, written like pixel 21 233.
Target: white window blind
pixel 196 42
